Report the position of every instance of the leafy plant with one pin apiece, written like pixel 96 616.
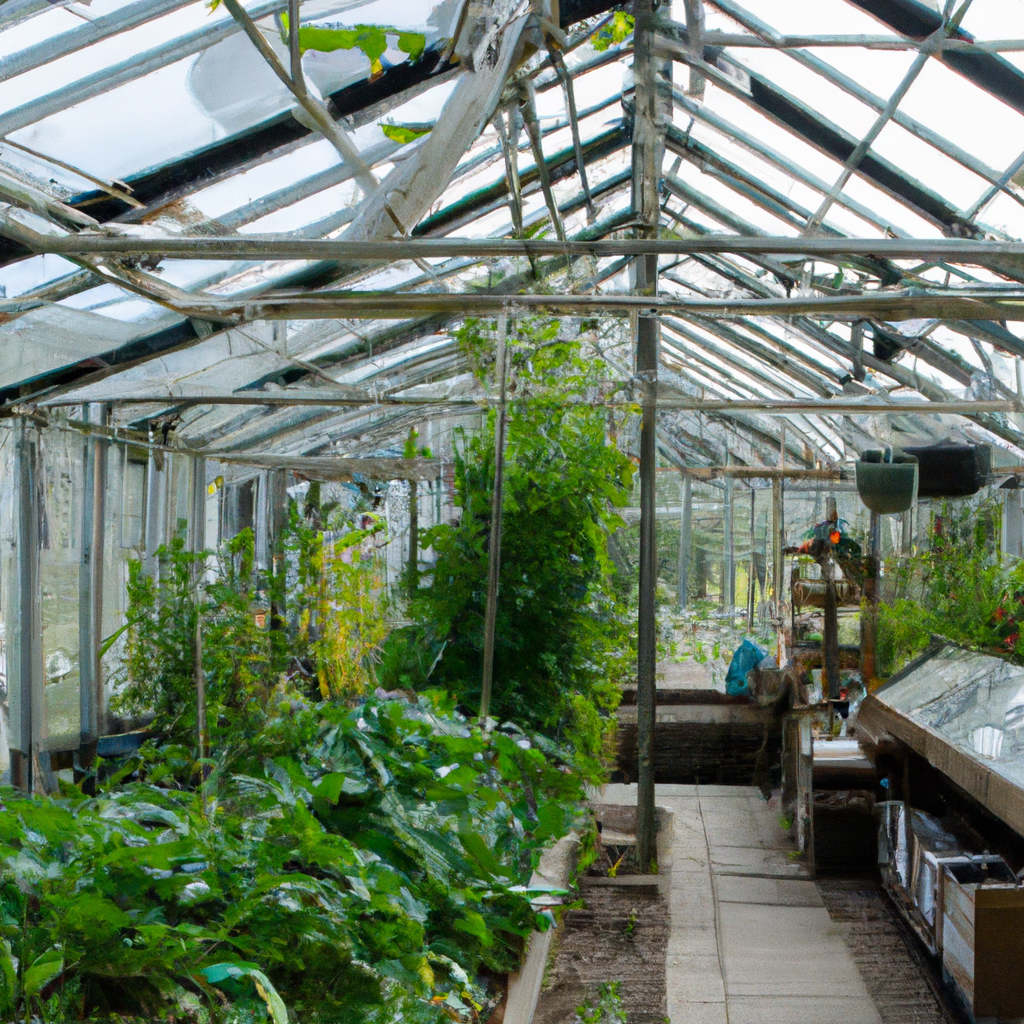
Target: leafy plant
pixel 562 639
pixel 372 40
pixel 361 864
pixel 319 622
pixel 606 1009
pixel 959 588
pixel 615 31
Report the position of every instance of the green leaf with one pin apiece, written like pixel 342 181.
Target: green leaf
pixel 42 972
pixel 403 134
pixel 216 974
pixel 475 846
pixel 8 979
pixel 331 786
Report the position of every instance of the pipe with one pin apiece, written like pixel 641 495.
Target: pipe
pixel 494 551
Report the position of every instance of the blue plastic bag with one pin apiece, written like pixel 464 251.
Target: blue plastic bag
pixel 746 657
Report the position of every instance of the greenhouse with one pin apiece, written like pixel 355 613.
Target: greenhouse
pixel 511 511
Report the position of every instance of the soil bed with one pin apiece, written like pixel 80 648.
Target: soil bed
pixel 619 934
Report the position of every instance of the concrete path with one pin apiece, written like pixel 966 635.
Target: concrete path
pixel 751 940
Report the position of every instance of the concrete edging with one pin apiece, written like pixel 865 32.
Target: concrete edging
pixel 555 867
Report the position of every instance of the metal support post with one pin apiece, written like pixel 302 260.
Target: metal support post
pixel 830 625
pixel 752 581
pixel 648 149
pixel 90 599
pixel 26 665
pixel 151 512
pixel 685 541
pixel 869 605
pixel 778 541
pixel 729 549
pixel 414 534
pixel 494 552
pixel 197 542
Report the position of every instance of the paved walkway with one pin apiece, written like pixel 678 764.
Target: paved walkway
pixel 751 940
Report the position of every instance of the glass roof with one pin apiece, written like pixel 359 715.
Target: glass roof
pixel 157 118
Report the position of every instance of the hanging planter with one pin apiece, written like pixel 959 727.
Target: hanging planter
pixel 887 480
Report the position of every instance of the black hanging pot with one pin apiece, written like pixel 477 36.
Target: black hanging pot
pixel 887 480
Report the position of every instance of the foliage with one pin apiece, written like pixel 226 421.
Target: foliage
pixel 961 589
pixel 372 40
pixel 364 864
pixel 404 133
pixel 616 31
pixel 606 1009
pixel 318 621
pixel 562 640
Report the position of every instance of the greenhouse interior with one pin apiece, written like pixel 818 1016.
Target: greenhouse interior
pixel 511 511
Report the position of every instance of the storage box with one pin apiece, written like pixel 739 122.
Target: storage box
pixel 983 937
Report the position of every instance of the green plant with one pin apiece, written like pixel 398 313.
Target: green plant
pixel 617 30
pixel 958 587
pixel 606 1009
pixel 562 639
pixel 317 622
pixel 362 864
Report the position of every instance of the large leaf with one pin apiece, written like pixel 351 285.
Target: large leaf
pixel 42 972
pixel 216 974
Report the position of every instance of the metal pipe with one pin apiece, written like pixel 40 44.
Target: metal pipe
pixel 255 247
pixel 494 551
pixel 863 42
pixel 752 581
pixel 897 305
pixel 26 641
pixel 869 604
pixel 197 541
pixel 90 604
pixel 685 527
pixel 647 157
pixel 729 549
pixel 414 534
pixel 769 407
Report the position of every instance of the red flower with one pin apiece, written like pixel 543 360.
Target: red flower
pixel 835 536
pixel 1010 641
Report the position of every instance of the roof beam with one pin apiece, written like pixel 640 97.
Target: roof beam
pixel 279 247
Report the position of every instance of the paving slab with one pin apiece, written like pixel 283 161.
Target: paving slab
pixel 697 1013
pixel 751 941
pixel 756 861
pixel 790 1010
pixel 775 892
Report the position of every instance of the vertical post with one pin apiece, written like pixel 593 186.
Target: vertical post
pixel 153 512
pixel 830 625
pixel 494 552
pixel 90 598
pixel 278 499
pixel 729 545
pixel 685 542
pixel 648 148
pixel 197 542
pixel 414 533
pixel 778 532
pixel 752 582
pixel 869 605
pixel 26 643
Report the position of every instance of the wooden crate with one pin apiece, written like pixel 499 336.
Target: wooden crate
pixel 983 937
